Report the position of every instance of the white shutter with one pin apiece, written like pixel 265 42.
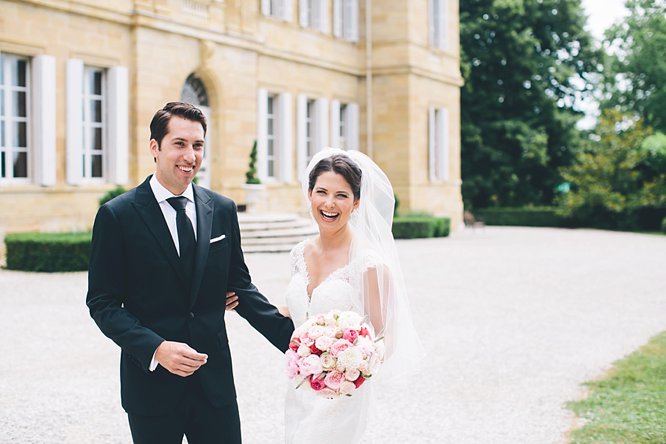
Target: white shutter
pixel 266 7
pixel 352 125
pixel 431 143
pixel 301 147
pixel 431 22
pixel 304 12
pixel 321 124
pixel 284 133
pixel 262 111
pixel 74 121
pixel 323 15
pixel 286 10
pixel 43 119
pixel 117 152
pixel 353 20
pixel 337 18
pixel 335 124
pixel 443 144
pixel 443 24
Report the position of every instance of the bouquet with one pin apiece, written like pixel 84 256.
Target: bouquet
pixel 333 353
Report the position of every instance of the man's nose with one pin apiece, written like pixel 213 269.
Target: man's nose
pixel 189 154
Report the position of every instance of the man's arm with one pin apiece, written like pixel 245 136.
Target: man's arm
pixel 254 307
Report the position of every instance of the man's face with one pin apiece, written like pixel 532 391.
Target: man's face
pixel 179 156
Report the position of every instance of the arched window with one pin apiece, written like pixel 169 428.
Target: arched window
pixel 194 92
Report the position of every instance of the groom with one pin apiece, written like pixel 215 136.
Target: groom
pixel 163 256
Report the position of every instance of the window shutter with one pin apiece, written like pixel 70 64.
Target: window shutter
pixel 323 16
pixel 266 7
pixel 431 23
pixel 43 119
pixel 431 143
pixel 353 20
pixel 262 111
pixel 286 10
pixel 301 154
pixel 337 18
pixel 443 144
pixel 284 133
pixel 304 12
pixel 321 124
pixel 335 124
pixel 74 121
pixel 118 131
pixel 352 126
pixel 443 25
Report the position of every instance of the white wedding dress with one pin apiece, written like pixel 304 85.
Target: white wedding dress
pixel 310 418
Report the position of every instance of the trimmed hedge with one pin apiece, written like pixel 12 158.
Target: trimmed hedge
pixel 48 251
pixel 523 216
pixel 420 226
pixel 663 226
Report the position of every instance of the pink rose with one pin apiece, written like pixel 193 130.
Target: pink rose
pixel 364 332
pixel 311 365
pixel 359 381
pixel 294 343
pixel 317 383
pixel 314 350
pixel 327 393
pixel 347 388
pixel 292 363
pixel 339 345
pixel 350 334
pixel 334 379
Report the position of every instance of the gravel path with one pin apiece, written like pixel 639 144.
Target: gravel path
pixel 514 319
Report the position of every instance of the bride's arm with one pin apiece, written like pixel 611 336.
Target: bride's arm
pixel 232 303
pixel 376 283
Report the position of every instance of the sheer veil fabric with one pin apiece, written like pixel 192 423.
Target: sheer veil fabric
pixel 380 284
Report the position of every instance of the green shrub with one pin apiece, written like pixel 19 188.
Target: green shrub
pixel 111 194
pixel 442 226
pixel 523 216
pixel 663 226
pixel 48 251
pixel 413 228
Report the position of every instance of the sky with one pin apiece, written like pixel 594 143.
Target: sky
pixel 601 14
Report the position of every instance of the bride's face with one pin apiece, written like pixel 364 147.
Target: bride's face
pixel 331 201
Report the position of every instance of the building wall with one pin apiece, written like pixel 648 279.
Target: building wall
pixel 235 50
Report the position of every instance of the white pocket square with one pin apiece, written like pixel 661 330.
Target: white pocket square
pixel 217 239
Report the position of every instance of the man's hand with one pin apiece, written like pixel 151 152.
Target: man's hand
pixel 180 359
pixel 232 301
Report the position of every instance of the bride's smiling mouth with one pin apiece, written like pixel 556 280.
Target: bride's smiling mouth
pixel 329 216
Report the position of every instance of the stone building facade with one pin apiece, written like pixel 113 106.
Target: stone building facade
pixel 81 79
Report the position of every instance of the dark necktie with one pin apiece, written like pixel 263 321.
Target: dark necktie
pixel 186 240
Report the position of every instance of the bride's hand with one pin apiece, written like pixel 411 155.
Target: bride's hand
pixel 232 301
pixel 284 310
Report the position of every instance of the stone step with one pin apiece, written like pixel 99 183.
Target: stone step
pixel 268 232
pixel 276 248
pixel 273 233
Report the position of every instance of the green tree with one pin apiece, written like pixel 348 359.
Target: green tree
pixel 613 184
pixel 634 80
pixel 524 62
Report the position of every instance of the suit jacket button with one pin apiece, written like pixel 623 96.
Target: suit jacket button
pixel 191 314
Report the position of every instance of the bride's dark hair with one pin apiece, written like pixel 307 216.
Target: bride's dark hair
pixel 342 165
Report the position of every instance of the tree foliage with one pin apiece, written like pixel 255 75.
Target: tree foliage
pixel 520 60
pixel 617 180
pixel 635 74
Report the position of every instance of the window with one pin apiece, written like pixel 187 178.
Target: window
pixel 94 122
pixel 277 8
pixel 312 127
pixel 14 88
pixel 97 124
pixel 345 19
pixel 438 144
pixel 437 23
pixel 313 14
pixel 194 92
pixel 274 136
pixel 27 119
pixel 344 125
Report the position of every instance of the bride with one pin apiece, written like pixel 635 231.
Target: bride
pixel 351 265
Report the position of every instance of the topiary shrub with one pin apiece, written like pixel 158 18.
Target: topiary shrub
pixel 442 226
pixel 111 194
pixel 48 251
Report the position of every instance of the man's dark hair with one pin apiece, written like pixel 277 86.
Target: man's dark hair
pixel 342 165
pixel 159 126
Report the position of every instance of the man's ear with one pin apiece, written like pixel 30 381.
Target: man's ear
pixel 154 148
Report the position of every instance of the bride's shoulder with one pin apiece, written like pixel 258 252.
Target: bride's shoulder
pixel 297 254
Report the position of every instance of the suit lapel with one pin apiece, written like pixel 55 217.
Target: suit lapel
pixel 152 216
pixel 204 205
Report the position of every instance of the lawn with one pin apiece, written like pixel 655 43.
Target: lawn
pixel 628 405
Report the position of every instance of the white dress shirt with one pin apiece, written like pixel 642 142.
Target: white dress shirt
pixel 162 194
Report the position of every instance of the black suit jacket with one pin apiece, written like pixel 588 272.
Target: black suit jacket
pixel 138 297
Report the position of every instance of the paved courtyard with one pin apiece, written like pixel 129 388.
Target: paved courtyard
pixel 513 319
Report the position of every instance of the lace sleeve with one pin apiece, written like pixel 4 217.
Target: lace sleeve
pixel 296 258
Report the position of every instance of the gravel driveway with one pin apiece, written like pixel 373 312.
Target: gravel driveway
pixel 514 320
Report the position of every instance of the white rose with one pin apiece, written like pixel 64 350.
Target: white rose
pixel 352 374
pixel 323 343
pixel 347 388
pixel 328 361
pixel 315 331
pixel 350 358
pixel 350 319
pixel 303 351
